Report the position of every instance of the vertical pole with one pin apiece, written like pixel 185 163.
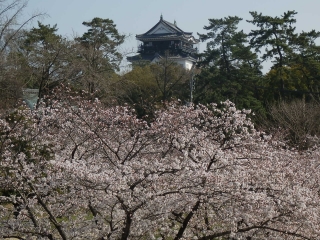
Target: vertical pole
pixel 191 87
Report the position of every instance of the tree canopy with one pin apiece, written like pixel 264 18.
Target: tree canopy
pixel 276 39
pixel 230 70
pixel 74 169
pixel 103 38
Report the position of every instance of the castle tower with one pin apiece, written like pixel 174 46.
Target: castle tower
pixel 166 39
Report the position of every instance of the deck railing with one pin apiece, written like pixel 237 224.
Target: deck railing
pixel 185 49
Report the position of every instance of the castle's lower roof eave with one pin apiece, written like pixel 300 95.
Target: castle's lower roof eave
pixel 151 57
pixel 141 57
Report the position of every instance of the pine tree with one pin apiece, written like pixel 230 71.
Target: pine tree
pixel 294 56
pixel 230 69
pixel 46 58
pixel 99 52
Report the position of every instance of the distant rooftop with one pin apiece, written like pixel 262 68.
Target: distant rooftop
pixel 166 30
pixel 30 96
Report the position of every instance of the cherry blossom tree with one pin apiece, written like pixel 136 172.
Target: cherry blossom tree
pixel 72 169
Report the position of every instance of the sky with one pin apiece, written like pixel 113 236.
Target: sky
pixel 138 16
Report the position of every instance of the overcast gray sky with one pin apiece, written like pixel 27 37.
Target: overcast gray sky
pixel 138 16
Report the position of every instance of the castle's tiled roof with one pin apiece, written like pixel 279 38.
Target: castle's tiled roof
pixel 175 33
pixel 151 57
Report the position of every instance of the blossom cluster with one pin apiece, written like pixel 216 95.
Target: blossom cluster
pixel 72 169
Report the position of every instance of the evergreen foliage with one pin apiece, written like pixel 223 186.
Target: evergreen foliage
pixel 292 55
pixel 230 70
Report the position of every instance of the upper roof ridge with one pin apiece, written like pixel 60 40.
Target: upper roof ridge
pixel 166 29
